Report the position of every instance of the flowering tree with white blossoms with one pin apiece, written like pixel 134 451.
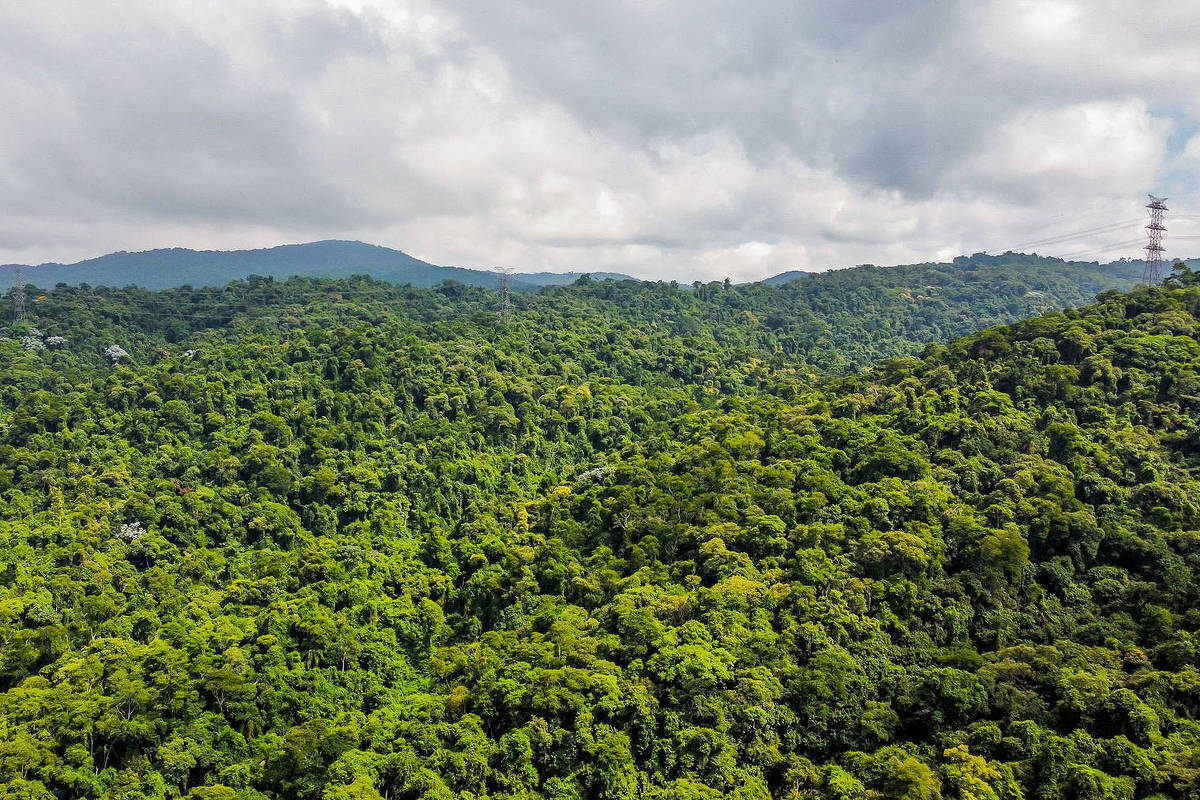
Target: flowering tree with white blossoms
pixel 115 352
pixel 131 531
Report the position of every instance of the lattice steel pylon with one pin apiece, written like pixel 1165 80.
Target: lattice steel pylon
pixel 505 294
pixel 18 294
pixel 1154 235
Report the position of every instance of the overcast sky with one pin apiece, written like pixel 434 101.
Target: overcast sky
pixel 663 139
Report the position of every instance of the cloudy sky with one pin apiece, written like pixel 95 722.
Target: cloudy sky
pixel 662 138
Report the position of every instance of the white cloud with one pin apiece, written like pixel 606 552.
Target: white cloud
pixel 665 140
pixel 1060 153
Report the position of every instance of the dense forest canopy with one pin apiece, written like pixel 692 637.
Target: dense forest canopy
pixel 835 320
pixel 341 539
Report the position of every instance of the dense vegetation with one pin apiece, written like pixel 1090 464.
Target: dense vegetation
pixel 837 320
pixel 861 314
pixel 341 539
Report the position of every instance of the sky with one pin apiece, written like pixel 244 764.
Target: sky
pixel 671 139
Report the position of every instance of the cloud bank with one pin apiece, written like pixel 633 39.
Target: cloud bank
pixel 666 139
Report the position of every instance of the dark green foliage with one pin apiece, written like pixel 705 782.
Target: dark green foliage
pixel 852 316
pixel 837 321
pixel 341 539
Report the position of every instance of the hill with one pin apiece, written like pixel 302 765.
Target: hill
pixel 837 321
pixel 1053 281
pixel 347 539
pixel 847 318
pixel 175 267
pixel 1089 275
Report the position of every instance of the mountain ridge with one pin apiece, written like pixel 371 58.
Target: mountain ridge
pixel 173 267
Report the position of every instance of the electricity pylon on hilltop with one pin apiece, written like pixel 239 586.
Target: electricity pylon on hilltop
pixel 18 294
pixel 1154 235
pixel 505 293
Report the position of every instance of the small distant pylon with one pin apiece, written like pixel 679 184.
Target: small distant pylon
pixel 19 294
pixel 505 293
pixel 1154 234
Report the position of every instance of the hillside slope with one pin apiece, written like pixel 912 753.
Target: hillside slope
pixel 385 545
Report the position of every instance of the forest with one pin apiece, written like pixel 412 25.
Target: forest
pixel 839 539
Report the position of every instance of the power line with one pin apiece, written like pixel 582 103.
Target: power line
pixel 1099 249
pixel 1114 226
pixel 1063 238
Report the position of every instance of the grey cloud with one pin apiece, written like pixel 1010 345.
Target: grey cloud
pixel 310 42
pixel 877 89
pixel 657 138
pixel 144 115
pixel 151 117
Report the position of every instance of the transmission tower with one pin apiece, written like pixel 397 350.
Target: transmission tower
pixel 1154 235
pixel 505 295
pixel 18 294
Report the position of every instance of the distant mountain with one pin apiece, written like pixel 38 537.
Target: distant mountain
pixel 177 266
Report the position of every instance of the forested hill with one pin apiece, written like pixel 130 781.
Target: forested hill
pixel 1028 281
pixel 174 267
pixel 1089 276
pixel 348 540
pixel 835 321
